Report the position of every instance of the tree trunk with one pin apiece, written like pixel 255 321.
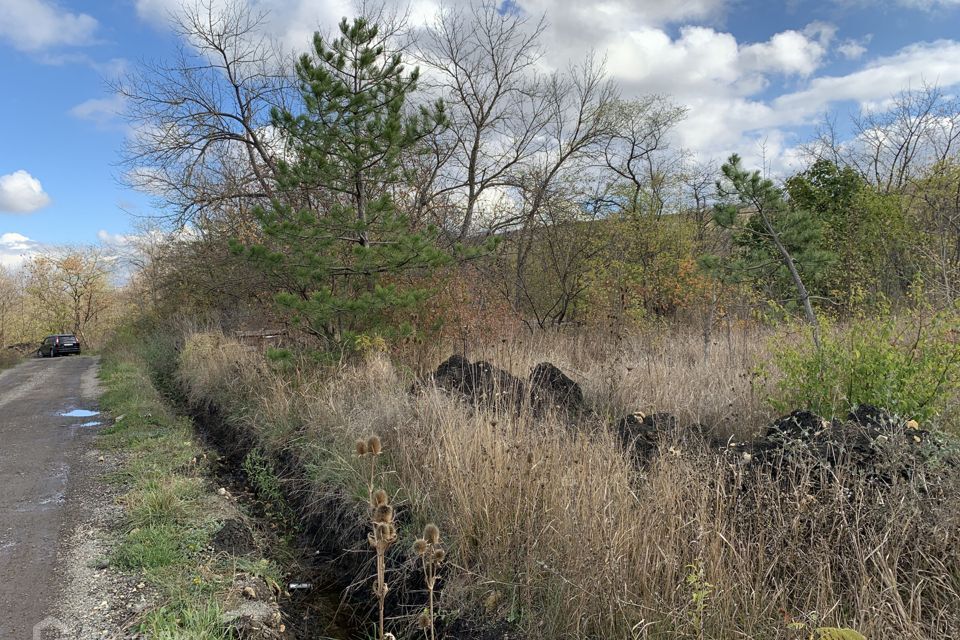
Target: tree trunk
pixel 802 295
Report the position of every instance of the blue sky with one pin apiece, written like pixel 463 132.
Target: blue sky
pixel 749 71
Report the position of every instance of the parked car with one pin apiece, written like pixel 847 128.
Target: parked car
pixel 58 345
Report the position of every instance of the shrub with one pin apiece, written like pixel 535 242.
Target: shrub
pixel 913 371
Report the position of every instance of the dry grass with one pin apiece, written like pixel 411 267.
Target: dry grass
pixel 668 371
pixel 553 528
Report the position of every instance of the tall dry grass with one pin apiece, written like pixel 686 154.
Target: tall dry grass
pixel 551 526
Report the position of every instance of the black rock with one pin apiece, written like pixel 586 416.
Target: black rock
pixel 868 415
pixel 638 436
pixel 551 387
pixel 661 421
pixel 481 382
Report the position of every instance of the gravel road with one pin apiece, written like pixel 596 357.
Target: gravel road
pixel 42 446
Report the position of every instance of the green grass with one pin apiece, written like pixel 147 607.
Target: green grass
pixel 171 508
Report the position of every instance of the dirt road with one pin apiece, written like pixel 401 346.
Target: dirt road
pixel 45 427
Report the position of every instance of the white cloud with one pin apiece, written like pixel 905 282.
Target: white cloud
pixel 104 112
pixel 720 78
pixel 35 25
pixel 115 239
pixel 912 66
pixel 853 49
pixel 788 52
pixel 15 249
pixel 20 192
pixel 292 22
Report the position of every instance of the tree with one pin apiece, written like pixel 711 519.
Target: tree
pixel 10 302
pixel 334 236
pixel 769 232
pixel 637 151
pixel 483 61
pixel 72 289
pixel 201 140
pixel 936 212
pixel 891 146
pixel 863 228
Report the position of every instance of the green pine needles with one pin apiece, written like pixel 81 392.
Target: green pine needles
pixel 333 239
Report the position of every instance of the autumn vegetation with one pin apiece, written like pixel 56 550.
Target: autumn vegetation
pixel 395 195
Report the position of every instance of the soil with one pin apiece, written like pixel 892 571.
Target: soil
pixel 235 538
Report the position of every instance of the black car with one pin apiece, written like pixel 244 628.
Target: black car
pixel 58 345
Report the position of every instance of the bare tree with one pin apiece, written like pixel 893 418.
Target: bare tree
pixel 893 146
pixel 202 135
pixel 638 150
pixel 481 61
pixel 578 108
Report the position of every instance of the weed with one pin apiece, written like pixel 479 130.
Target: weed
pixel 383 533
pixel 263 477
pixel 551 526
pixel 431 555
pixel 700 592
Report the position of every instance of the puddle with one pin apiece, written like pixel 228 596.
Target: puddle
pixel 80 413
pixel 92 423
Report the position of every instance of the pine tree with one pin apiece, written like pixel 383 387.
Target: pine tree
pixel 772 238
pixel 334 236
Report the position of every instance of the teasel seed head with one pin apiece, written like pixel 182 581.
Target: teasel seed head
pixel 431 533
pixel 383 513
pixel 361 448
pixel 380 498
pixel 420 547
pixel 439 555
pixel 374 446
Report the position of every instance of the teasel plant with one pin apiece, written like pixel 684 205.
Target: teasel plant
pixel 383 532
pixel 431 556
pixel 371 448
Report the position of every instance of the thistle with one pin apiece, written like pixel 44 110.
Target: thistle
pixel 383 533
pixel 431 557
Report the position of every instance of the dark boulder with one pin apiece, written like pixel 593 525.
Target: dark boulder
pixel 454 374
pixel 869 416
pixel 552 388
pixel 481 382
pixel 871 441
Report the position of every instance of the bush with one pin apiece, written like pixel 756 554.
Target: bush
pixel 913 371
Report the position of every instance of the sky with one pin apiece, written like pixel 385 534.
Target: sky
pixel 756 76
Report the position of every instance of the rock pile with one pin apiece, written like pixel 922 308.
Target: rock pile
pixel 483 384
pixel 869 438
